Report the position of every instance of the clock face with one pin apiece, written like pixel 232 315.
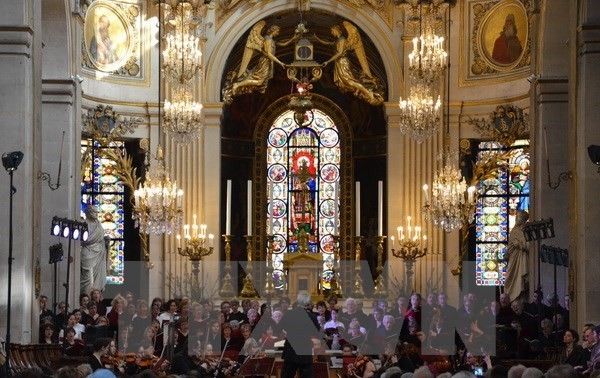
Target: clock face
pixel 303 52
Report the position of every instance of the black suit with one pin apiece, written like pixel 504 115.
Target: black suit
pixel 301 326
pixel 94 363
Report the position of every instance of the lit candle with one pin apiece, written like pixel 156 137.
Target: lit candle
pixel 409 228
pixel 393 242
pixel 136 193
pixel 178 241
pixel 195 228
pixel 249 226
pixel 470 193
pixel 357 197
pixel 211 240
pixel 426 190
pixel 399 229
pixel 380 208
pixel 228 210
pixel 415 44
pixel 186 230
pixel 179 198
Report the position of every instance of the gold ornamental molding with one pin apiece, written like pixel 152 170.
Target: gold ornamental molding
pixel 495 43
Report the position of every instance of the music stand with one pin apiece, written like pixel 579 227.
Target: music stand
pixel 536 231
pixel 257 367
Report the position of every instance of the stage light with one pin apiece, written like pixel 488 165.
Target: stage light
pixel 11 160
pixel 76 233
pixel 84 234
pixel 66 231
pixel 55 231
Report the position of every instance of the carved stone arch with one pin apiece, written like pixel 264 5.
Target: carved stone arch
pixel 263 126
pixel 233 28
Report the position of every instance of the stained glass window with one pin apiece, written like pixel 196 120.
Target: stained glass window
pixel 303 171
pixel 500 198
pixel 101 187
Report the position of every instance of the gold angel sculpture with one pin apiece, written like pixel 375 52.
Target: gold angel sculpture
pixel 256 78
pixel 361 84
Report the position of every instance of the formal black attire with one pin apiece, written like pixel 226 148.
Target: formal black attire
pixel 300 325
pixel 94 363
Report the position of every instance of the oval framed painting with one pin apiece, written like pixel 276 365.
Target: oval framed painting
pixel 503 35
pixel 108 36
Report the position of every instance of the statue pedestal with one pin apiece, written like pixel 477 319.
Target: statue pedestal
pixel 303 273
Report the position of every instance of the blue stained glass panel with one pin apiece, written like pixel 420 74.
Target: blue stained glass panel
pixel 499 200
pixel 101 187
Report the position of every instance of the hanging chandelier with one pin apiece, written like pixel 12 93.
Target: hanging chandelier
pixel 419 114
pixel 452 203
pixel 183 116
pixel 158 201
pixel 428 59
pixel 182 56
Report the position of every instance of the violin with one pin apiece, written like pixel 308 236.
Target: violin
pixel 357 368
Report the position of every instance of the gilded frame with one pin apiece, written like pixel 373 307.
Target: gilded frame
pixel 485 55
pixel 126 56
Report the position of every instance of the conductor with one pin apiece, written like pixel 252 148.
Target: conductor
pixel 300 326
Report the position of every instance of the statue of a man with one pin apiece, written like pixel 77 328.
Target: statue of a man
pixel 516 256
pixel 94 254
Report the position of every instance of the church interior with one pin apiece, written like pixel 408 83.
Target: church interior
pixel 209 153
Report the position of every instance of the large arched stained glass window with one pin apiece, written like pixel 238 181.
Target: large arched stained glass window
pixel 101 187
pixel 303 172
pixel 500 198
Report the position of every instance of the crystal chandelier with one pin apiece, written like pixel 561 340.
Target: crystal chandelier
pixel 183 116
pixel 428 59
pixel 182 56
pixel 158 201
pixel 419 114
pixel 451 203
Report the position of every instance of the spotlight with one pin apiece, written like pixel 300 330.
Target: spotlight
pixel 84 234
pixel 66 231
pixel 594 153
pixel 11 160
pixel 55 231
pixel 76 233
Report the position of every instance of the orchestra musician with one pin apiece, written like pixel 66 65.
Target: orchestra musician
pixel 100 349
pixel 362 367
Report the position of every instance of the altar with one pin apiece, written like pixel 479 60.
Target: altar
pixel 303 272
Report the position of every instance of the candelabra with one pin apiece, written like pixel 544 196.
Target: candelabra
pixel 248 290
pixel 269 289
pixel 226 286
pixel 196 247
pixel 358 291
pixel 379 290
pixel 410 248
pixel 336 288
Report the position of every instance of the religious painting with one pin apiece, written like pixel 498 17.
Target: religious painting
pixel 498 44
pixel 111 43
pixel 503 34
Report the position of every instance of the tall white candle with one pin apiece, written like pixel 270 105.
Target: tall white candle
pixel 228 210
pixel 380 208
pixel 249 227
pixel 357 196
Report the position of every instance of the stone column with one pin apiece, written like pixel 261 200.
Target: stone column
pixel 584 102
pixel 20 83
